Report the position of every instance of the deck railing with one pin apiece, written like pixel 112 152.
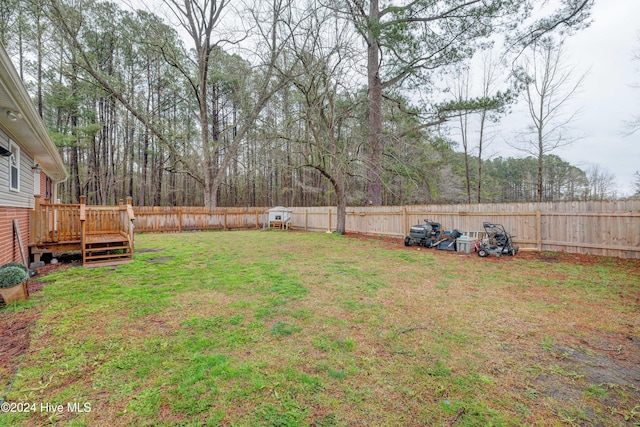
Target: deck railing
pixel 53 223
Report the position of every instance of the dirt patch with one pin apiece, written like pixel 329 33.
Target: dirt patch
pixel 161 259
pixel 390 242
pixel 598 377
pixel 14 342
pixel 15 330
pixel 143 251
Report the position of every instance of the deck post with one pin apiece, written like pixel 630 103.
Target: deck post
pixel 37 218
pixel 132 218
pixel 83 218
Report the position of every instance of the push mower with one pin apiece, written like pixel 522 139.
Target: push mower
pixel 497 241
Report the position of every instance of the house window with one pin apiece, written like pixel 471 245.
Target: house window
pixel 49 189
pixel 14 167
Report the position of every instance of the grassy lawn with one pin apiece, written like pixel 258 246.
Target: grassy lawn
pixel 251 328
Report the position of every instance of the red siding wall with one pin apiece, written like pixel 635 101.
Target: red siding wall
pixel 9 248
pixel 47 188
pixel 43 188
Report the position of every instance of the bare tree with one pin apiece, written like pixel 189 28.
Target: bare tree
pixel 601 183
pixel 477 114
pixel 200 21
pixel 489 81
pixel 548 86
pixel 323 54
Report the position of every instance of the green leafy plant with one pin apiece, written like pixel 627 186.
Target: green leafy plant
pixel 11 276
pixel 14 264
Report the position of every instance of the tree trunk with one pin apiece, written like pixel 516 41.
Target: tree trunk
pixel 540 149
pixel 341 203
pixel 374 102
pixel 480 143
pixel 143 173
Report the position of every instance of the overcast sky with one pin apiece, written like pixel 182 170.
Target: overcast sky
pixel 607 97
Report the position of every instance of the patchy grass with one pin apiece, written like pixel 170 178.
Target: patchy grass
pixel 301 329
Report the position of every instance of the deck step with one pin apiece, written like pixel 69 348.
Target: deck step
pixel 93 238
pixel 106 249
pixel 103 256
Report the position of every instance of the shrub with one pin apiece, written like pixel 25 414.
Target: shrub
pixel 11 276
pixel 14 264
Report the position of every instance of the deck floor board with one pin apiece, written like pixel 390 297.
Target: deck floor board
pixel 92 239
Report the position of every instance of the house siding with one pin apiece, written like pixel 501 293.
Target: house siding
pixel 15 204
pixel 24 197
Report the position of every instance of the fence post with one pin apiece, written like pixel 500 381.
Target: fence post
pixel 539 229
pixel 179 219
pixel 329 218
pixel 257 224
pixel 83 217
pixel 404 221
pixel 225 220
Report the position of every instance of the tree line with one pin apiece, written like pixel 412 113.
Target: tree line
pixel 290 102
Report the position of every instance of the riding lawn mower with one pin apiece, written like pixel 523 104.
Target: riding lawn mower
pixel 497 241
pixel 429 235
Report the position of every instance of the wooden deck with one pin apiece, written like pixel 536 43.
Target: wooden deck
pixel 104 234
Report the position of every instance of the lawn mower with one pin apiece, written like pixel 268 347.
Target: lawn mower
pixel 427 235
pixel 497 241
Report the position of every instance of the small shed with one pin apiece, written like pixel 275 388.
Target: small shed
pixel 279 217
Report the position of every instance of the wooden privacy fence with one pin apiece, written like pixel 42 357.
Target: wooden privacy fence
pixel 598 228
pixel 179 219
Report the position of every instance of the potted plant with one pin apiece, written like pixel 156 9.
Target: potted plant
pixel 13 282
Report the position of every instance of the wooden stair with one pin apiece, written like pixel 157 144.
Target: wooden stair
pixel 101 249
